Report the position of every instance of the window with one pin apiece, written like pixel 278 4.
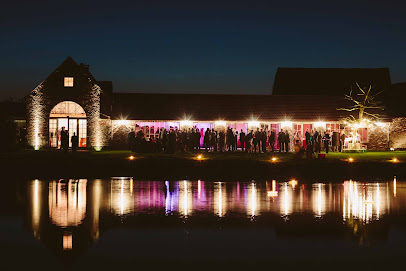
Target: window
pixel 68 82
pixel 67 108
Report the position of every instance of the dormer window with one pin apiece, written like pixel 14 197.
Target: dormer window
pixel 68 82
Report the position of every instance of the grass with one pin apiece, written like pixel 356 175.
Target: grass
pixel 214 156
pixel 212 165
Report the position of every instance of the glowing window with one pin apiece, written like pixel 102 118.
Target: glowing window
pixel 68 82
pixel 67 108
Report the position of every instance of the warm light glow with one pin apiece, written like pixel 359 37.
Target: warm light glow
pixel 199 188
pixel 67 202
pixel 350 159
pixel 319 200
pixel 122 122
pixel 220 123
pixel 286 124
pixel 293 183
pixel 286 200
pixel 273 159
pixel 95 133
pixel 186 123
pixel 320 124
pixel 380 124
pixel 253 124
pixel 67 241
pixel 121 196
pixel 131 157
pixel 185 198
pixel 68 82
pixel 199 157
pixel 220 199
pixel 395 160
pixel 36 207
pixel 273 192
pixel 252 200
pixel 37 116
pixel 361 201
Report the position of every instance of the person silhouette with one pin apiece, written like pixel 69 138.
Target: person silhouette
pixel 74 140
pixel 64 139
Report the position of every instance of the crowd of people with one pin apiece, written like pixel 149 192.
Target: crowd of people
pixel 259 140
pixel 317 141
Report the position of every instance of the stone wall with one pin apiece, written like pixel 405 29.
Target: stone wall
pixel 397 136
pixel 49 93
pixel 120 134
pixel 105 130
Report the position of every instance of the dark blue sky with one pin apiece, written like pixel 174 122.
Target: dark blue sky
pixel 232 47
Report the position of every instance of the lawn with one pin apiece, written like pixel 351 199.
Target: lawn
pixel 280 157
pixel 227 166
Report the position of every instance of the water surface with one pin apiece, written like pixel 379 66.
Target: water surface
pixel 108 223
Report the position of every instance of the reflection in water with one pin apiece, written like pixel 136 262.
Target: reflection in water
pixel 362 201
pixel 319 199
pixel 67 202
pixel 122 200
pixel 36 207
pixel 219 199
pixel 78 208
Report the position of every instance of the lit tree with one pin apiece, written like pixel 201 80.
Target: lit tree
pixel 363 101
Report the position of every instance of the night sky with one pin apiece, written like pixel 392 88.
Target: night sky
pixel 175 47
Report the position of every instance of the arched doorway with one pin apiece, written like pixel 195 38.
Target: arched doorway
pixel 70 115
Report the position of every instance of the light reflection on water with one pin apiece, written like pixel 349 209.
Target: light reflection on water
pixel 68 200
pixel 74 206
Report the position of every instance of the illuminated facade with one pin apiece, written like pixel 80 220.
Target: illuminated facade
pixel 72 98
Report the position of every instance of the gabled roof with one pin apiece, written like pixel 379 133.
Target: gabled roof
pixel 328 81
pixel 209 107
pixel 70 65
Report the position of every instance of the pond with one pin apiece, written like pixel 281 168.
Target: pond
pixel 121 221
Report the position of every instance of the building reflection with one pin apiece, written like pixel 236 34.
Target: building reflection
pixel 67 202
pixel 69 215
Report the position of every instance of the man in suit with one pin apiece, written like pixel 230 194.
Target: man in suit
pixel 75 142
pixel 242 140
pixel 257 138
pixel 272 140
pixel 316 138
pixel 64 139
pixel 342 140
pixel 335 141
pixel 263 140
pixel 307 137
pixel 326 141
pixel 287 141
pixel 281 141
pixel 248 140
